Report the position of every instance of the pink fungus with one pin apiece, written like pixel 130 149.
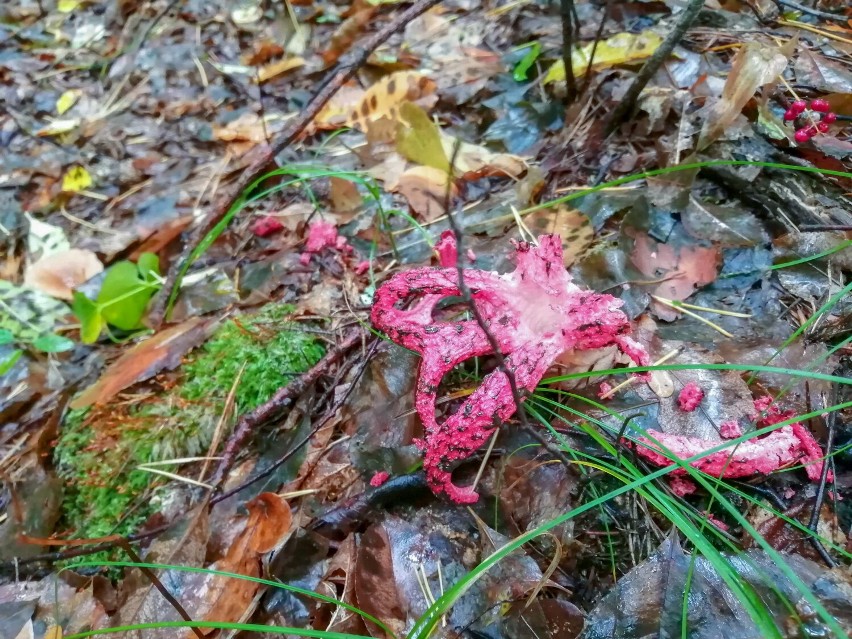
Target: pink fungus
pixel 604 390
pixel 721 525
pixel 379 478
pixel 445 247
pixel 322 235
pixel 534 314
pixel 362 267
pixel 784 447
pixel 266 225
pixel 682 487
pixel 730 429
pixel 690 397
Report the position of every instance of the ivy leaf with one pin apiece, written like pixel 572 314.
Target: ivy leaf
pixel 126 290
pixel 53 343
pixel 91 322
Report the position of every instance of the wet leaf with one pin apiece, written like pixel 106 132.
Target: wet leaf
pixel 274 69
pixel 163 351
pixel 52 343
pixel 622 48
pixel 76 179
pixel 385 98
pixel 419 139
pixel 58 274
pixel 375 586
pixel 67 100
pixel 426 190
pixel 573 227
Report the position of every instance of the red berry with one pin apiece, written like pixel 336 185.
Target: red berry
pixel 823 127
pixel 790 115
pixel 829 117
pixel 802 136
pixel 820 106
pixel 798 106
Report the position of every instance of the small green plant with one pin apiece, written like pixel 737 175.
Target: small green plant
pixel 28 319
pixel 126 290
pixel 99 450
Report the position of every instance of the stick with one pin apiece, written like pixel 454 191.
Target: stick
pixel 628 102
pixel 344 72
pixel 283 399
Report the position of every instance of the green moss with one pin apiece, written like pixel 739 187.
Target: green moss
pixel 99 450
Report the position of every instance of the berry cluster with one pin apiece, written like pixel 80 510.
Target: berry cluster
pixel 809 127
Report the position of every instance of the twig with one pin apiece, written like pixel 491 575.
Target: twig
pixel 567 16
pixel 587 76
pixel 814 12
pixel 817 228
pixel 277 404
pixel 628 102
pixel 344 72
pixel 813 524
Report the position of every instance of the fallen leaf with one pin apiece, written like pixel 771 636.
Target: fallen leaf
pixel 76 179
pixel 573 227
pixel 425 188
pixel 681 270
pixel 58 274
pixel 473 162
pixel 755 65
pixel 419 139
pixel 342 39
pixel 163 351
pixel 67 100
pixel 273 69
pixel 345 198
pixel 535 314
pixel 621 48
pixel 384 99
pixel 337 111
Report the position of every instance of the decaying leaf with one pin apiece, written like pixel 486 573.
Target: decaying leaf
pixel 274 69
pixel 573 227
pixel 425 188
pixel 677 271
pixel 621 48
pixel 534 313
pixel 384 99
pixel 60 273
pixel 755 65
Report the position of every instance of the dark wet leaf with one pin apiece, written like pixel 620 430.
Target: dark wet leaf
pixel 726 224
pixel 375 586
pixel 523 124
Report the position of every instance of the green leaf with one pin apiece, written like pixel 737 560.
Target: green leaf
pixel 520 72
pixel 91 322
pixel 149 266
pixel 7 364
pixel 53 343
pixel 124 296
pixel 6 336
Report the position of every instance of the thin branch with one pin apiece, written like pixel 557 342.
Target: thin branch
pixel 567 14
pixel 814 12
pixel 624 109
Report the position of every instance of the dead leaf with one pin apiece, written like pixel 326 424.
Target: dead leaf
pixel 163 351
pixel 473 162
pixel 273 69
pixel 58 274
pixel 337 111
pixel 375 585
pixel 755 65
pixel 425 188
pixel 345 198
pixel 682 270
pixel 384 99
pixel 621 48
pixel 347 33
pixel 573 227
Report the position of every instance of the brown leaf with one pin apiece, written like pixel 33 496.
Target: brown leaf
pixel 573 227
pixel 345 198
pixel 163 351
pixel 425 188
pixel 347 33
pixel 60 273
pixel 473 162
pixel 375 584
pixel 755 65
pixel 383 99
pixel 682 270
pixel 269 520
pixel 273 69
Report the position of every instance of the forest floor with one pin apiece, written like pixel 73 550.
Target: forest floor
pixel 406 316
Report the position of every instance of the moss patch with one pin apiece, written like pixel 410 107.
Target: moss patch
pixel 99 449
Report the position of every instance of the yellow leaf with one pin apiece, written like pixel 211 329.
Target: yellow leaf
pixel 618 49
pixel 269 71
pixel 58 127
pixel 67 100
pixel 53 632
pixel 383 99
pixel 67 6
pixel 76 179
pixel 420 140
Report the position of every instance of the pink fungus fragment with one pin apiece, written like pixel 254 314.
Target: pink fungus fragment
pixel 362 267
pixel 721 525
pixel 322 235
pixel 730 429
pixel 471 256
pixel 604 390
pixel 379 478
pixel 682 487
pixel 786 446
pixel 266 225
pixel 445 247
pixel 690 397
pixel 534 313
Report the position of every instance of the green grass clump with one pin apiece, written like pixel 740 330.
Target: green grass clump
pixel 99 449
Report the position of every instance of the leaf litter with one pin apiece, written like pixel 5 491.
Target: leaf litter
pixel 110 178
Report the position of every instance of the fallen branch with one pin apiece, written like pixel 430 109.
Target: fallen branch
pixel 625 108
pixel 344 72
pixel 282 400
